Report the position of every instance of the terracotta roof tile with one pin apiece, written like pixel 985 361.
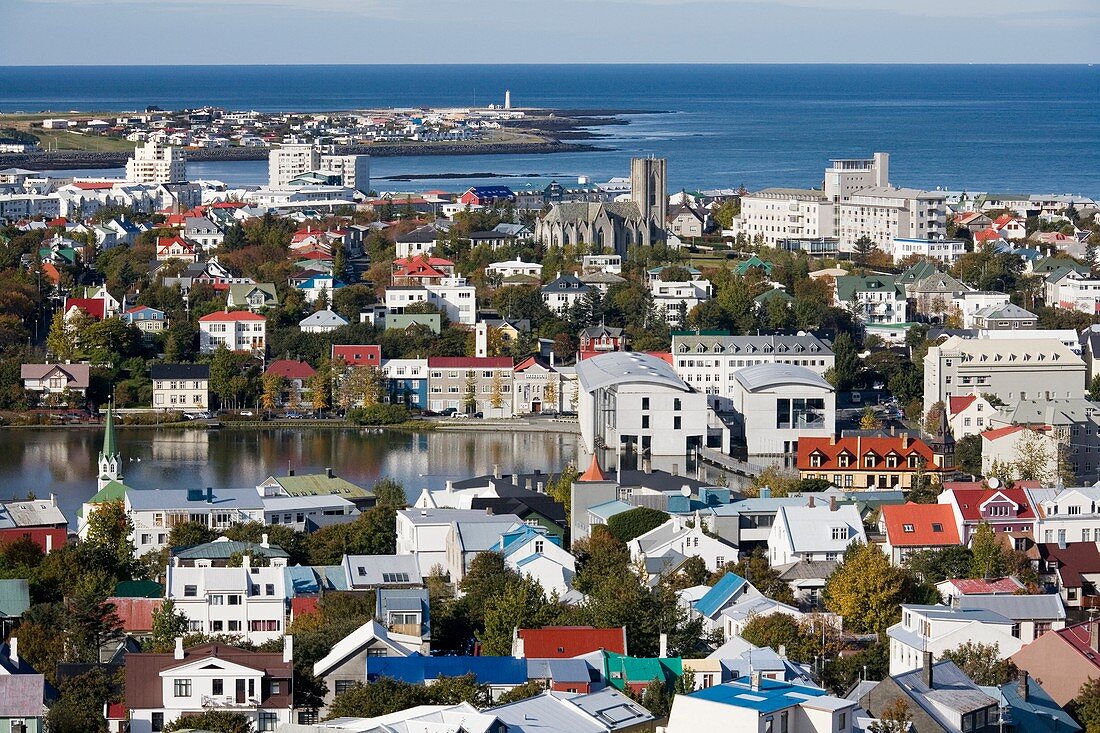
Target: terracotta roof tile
pixel 922 520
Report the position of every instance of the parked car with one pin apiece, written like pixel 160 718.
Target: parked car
pixel 448 411
pixel 479 415
pixel 293 416
pixel 246 413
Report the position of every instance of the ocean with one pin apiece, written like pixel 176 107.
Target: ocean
pixel 1002 128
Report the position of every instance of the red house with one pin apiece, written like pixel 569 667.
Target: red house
pixel 39 520
pixel 1005 510
pixel 358 354
pixel 487 195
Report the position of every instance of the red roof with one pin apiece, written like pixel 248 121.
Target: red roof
pixel 51 272
pixel 433 261
pixel 970 501
pixel 471 362
pixel 858 447
pixel 232 316
pixel 228 205
pixel 920 525
pixel 986 235
pixel 1075 560
pixel 358 354
pixel 594 472
pixel 970 485
pixel 136 614
pixel 93 185
pixel 977 586
pixel 1004 219
pixel 60 222
pixel 95 307
pixel 117 711
pixel 955 405
pixel 300 605
pixel 290 369
pixel 1078 637
pixel 167 242
pixel 563 642
pixel 998 433
pixel 966 216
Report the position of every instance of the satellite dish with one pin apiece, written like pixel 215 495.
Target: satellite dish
pixel 994 482
pixel 685 490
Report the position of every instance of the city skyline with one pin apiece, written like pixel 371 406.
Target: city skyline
pixel 626 31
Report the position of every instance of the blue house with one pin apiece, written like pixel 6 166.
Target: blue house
pixel 407 382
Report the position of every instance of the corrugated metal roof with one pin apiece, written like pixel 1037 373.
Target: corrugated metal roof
pixel 15 597
pixel 1017 607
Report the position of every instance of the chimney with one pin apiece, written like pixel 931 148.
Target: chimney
pixel 832 503
pixel 288 649
pixel 1021 685
pixel 246 560
pixel 290 472
pixel 488 511
pixel 178 654
pixel 754 681
pixel 647 467
pixel 765 492
pixel 53 498
pixel 209 494
pixel 905 441
pixel 811 503
pixel 832 440
pixel 13 649
pixel 1094 635
pixel 893 430
pixel 496 470
pixel 926 671
pixel 663 652
pixel 450 486
pixel 263 540
pixel 782 651
pixel 329 473
pixel 675 469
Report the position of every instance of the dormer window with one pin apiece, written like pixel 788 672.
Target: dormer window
pixel 937 527
pixel 907 528
pixel 892 461
pixel 869 460
pixel 700 349
pixel 840 533
pixel 844 460
pixel 913 461
pixel 816 460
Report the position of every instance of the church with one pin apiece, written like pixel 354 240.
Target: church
pixel 618 225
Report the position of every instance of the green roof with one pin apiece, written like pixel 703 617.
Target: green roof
pixel 139 589
pixel 15 597
pixel 848 285
pixel 752 262
pixel 113 491
pixel 620 670
pixel 772 295
pixel 319 484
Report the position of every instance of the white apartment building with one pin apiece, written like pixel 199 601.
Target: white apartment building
pixel 237 330
pixel 290 160
pixel 22 205
pixel 777 404
pixel 709 363
pixel 778 214
pixel 1066 515
pixel 181 386
pixel 676 299
pixel 884 213
pixel 1074 291
pixel 354 170
pixel 428 533
pixel 250 601
pixel 969 303
pixel 947 251
pixel 154 512
pixel 872 299
pixel 938 629
pixel 1013 370
pixel 456 299
pixel 156 163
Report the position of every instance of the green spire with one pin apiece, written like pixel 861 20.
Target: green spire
pixel 110 448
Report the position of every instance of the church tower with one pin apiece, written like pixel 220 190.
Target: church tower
pixel 110 461
pixel 649 191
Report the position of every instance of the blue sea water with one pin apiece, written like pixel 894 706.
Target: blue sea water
pixel 975 127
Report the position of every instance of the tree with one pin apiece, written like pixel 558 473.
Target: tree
pixel 868 420
pixel 60 341
pixel 189 534
pixel 521 605
pixel 1086 706
pixel 982 663
pixel 988 554
pixel 863 248
pixel 933 421
pixel 469 399
pixel 79 709
pixel 273 386
pixel 496 391
pixel 388 492
pixel 845 371
pixel 109 530
pixel 866 589
pixel 894 718
pixel 779 630
pixel 216 721
pixel 168 623
pixel 320 387
pixel 968 454
pixel 936 566
pixel 560 487
pixel 635 522
pixel 756 569
pixel 521 692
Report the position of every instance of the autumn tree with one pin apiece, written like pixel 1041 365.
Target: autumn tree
pixel 496 390
pixel 866 589
pixel 273 386
pixel 987 553
pixel 896 717
pixel 982 663
pixel 320 387
pixel 868 420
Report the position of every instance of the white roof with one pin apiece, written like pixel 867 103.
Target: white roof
pixel 810 529
pixel 324 318
pixel 762 376
pixel 626 367
pixel 355 641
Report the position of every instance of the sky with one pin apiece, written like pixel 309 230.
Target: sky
pixel 86 32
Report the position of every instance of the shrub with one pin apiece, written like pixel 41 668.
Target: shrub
pixel 635 522
pixel 378 415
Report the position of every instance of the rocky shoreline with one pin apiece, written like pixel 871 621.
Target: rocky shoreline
pixel 76 159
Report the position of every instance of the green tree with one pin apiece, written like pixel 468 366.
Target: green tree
pixel 866 589
pixel 469 398
pixel 215 721
pixel 968 454
pixel 1086 706
pixel 168 623
pixel 222 369
pixel 982 663
pixel 60 342
pixel 528 689
pixel 522 605
pixel 388 492
pixel 988 554
pixel 896 717
pixel 79 708
pixel 635 522
pixel 560 487
pixel 936 566
pixel 863 247
pixel 109 530
pixel 189 534
pixel 846 367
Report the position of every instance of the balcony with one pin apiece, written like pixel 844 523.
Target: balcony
pixel 228 702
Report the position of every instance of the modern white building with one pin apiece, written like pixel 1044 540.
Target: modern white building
pixel 676 299
pixel 288 161
pixel 709 362
pixel 434 536
pixel 635 404
pixel 236 330
pixel 156 163
pixel 775 404
pixel 1013 370
pixel 249 601
pixel 884 213
pixel 354 170
pixel 939 629
pixel 759 705
pixel 968 304
pixel 514 267
pixel 814 532
pixel 154 512
pixel 947 251
pixel 779 214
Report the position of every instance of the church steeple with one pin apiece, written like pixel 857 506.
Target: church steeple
pixel 110 462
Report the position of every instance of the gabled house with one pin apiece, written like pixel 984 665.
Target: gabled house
pixel 563 292
pixel 633 674
pixel 422 240
pixel 252 296
pixel 320 286
pixel 1005 510
pixel 911 528
pixel 867 462
pixel 323 321
pixel 564 642
pixel 729 589
pixel 180 386
pixel 939 696
pixel 1031 615
pixel 148 320
pixel 176 248
pixel 598 339
pixel 539 555
pixel 938 629
pixel 1072 571
pixel 161 688
pixel 676 538
pixel 968 414
pixel 345 665
pixel 297 375
pixel 814 532
pixel 237 330
pixel 1063 660
pixel 753 703
pixel 55 379
pixel 245 600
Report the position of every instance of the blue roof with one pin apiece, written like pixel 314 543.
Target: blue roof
pixel 1040 713
pixel 610 508
pixel 492 191
pixel 514 540
pixel 416 669
pixel 311 283
pixel 771 696
pixel 301 580
pixel 718 596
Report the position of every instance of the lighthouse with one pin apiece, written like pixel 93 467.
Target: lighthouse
pixel 507 99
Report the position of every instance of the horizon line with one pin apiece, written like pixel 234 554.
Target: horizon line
pixel 1087 64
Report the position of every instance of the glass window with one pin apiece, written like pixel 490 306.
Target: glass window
pixel 216 686
pixel 181 688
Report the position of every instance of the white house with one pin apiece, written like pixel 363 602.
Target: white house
pixel 778 403
pixel 249 601
pixel 938 629
pixel 1031 615
pixel 1066 515
pixel 161 688
pixel 635 404
pixel 540 556
pixel 762 705
pixel 969 303
pixel 947 251
pixel 237 330
pixel 1002 448
pixel 676 299
pixel 323 321
pixel 320 286
pixel 968 415
pixel 514 267
pixel 676 540
pixel 814 532
pixel 428 534
pixel 564 292
pixel 154 512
